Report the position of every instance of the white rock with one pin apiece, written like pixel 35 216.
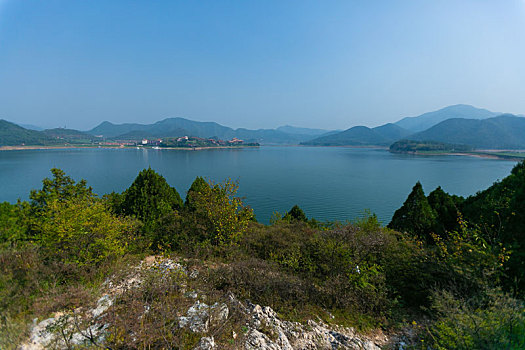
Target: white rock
pixel 196 318
pixel 206 343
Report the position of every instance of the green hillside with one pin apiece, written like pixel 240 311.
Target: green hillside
pixel 70 135
pixel 503 132
pixel 427 120
pixel 361 136
pixel 408 146
pixel 14 135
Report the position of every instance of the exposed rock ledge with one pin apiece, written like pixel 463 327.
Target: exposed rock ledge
pixel 263 328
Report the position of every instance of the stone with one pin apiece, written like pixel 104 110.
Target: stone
pixel 206 343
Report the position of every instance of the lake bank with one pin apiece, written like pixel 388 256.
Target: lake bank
pixel 21 148
pixel 494 154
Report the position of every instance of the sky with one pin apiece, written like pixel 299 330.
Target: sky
pixel 257 64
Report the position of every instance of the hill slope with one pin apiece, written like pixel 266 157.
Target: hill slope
pixel 427 120
pixel 15 135
pixel 69 135
pixel 361 136
pixel 503 132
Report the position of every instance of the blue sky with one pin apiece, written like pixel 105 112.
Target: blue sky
pixel 257 64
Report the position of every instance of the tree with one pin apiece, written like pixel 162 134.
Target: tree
pixel 61 187
pixel 445 209
pixel 223 214
pixel 83 231
pixel 149 197
pixel 415 216
pixel 296 214
pixel 198 186
pixel 13 222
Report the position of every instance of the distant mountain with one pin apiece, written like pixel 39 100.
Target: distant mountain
pixel 12 134
pixel 392 131
pixel 506 131
pixel 382 135
pixel 174 127
pixel 427 120
pixel 108 129
pixel 302 131
pixel 31 127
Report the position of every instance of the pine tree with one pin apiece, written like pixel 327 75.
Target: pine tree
pixel 198 186
pixel 445 209
pixel 150 197
pixel 415 216
pixel 296 213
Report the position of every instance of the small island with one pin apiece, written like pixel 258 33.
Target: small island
pixel 427 147
pixel 198 143
pixel 431 148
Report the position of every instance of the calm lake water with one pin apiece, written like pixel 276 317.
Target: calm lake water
pixel 328 183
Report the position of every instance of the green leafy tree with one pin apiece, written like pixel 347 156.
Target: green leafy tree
pixel 297 214
pixel 83 231
pixel 13 222
pixel 61 188
pixel 150 197
pixel 415 216
pixel 499 212
pixel 223 214
pixel 496 322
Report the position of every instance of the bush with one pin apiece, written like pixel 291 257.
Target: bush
pixel 83 231
pixel 497 322
pixel 224 215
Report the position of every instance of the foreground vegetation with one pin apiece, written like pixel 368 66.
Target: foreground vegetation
pixel 448 269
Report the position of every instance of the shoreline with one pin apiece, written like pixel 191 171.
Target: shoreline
pixel 21 148
pixel 485 155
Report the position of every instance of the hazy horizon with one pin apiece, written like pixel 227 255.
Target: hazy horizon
pixel 327 65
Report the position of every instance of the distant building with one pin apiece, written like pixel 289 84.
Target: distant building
pixel 235 141
pixel 144 142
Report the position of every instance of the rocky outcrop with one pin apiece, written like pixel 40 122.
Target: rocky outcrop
pixel 258 327
pixel 200 316
pixel 268 331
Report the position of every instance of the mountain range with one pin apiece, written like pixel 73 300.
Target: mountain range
pixel 506 131
pixel 458 124
pixel 427 120
pixel 362 136
pixel 174 127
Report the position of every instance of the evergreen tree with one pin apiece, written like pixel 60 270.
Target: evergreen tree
pixel 150 197
pixel 199 186
pixel 296 213
pixel 61 188
pixel 415 216
pixel 445 210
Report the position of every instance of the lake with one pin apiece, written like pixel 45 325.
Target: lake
pixel 328 183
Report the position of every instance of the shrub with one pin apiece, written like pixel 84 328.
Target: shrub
pixel 83 231
pixel 224 215
pixel 497 322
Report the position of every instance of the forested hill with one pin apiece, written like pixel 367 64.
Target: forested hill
pixel 14 135
pixel 361 136
pixel 503 132
pixel 428 120
pixel 174 127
